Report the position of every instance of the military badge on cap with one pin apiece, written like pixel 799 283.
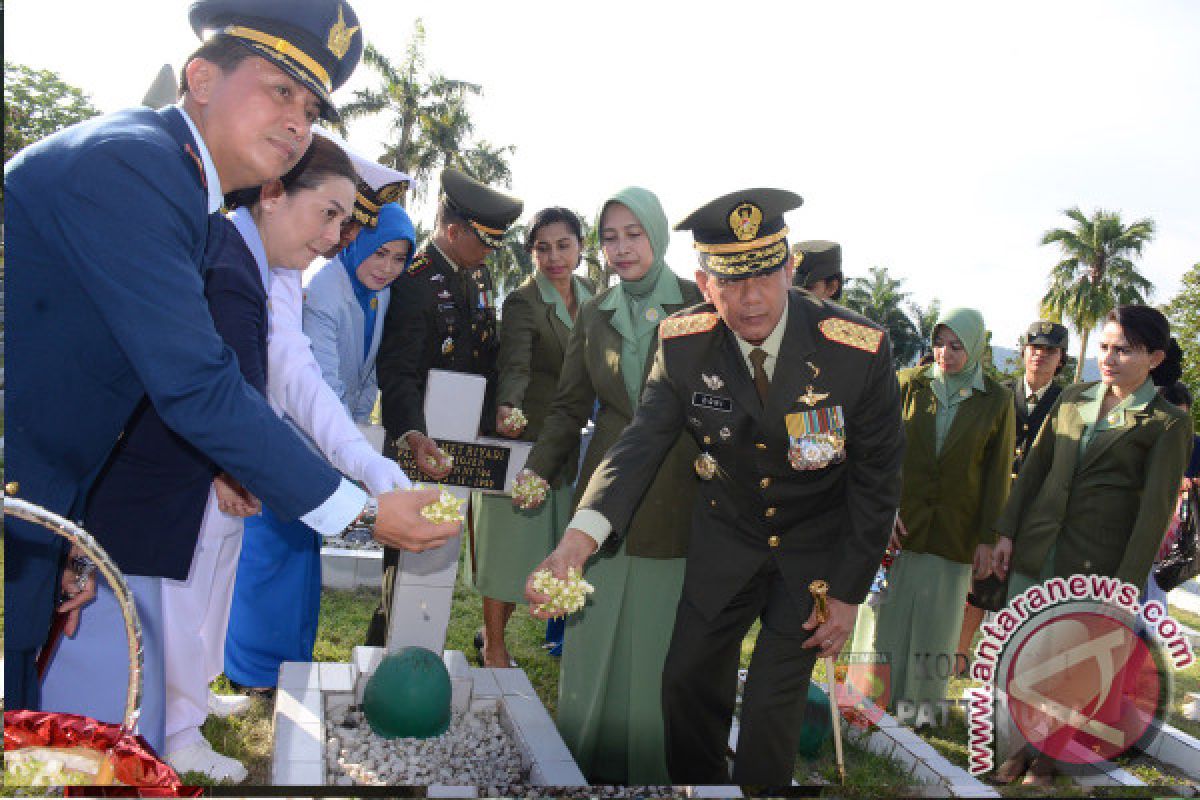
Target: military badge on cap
pixel 317 42
pixel 488 211
pixel 1046 333
pixel 817 438
pixel 742 234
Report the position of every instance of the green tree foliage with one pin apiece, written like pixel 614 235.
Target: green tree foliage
pixel 1097 272
pixel 924 321
pixel 511 263
pixel 430 124
pixel 880 299
pixel 1183 310
pixel 37 102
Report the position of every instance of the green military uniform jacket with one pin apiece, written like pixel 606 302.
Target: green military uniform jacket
pixel 438 318
pixel 591 370
pixel 1104 511
pixel 533 341
pixel 950 501
pixel 831 523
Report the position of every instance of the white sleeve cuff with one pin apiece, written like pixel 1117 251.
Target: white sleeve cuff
pixel 593 523
pixel 335 514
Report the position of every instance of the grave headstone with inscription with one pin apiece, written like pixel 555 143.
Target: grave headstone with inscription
pixel 424 586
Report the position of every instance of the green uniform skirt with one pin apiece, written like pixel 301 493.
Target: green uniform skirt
pixel 918 624
pixel 510 543
pixel 610 684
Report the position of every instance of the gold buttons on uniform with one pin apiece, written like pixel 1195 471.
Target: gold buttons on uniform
pixel 11 488
pixel 770 512
pixel 764 483
pixel 773 541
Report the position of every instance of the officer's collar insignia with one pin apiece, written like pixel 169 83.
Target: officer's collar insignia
pixel 340 36
pixel 713 382
pixel 187 148
pixel 745 220
pixel 420 262
pixel 1046 327
pixel 811 397
pixel 843 331
pixel 687 325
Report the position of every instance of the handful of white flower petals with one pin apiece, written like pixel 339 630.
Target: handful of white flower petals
pixel 516 419
pixel 529 489
pixel 566 597
pixel 447 508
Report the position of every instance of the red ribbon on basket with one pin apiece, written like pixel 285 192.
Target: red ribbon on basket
pixel 137 766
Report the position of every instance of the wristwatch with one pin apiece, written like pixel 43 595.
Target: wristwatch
pixel 366 518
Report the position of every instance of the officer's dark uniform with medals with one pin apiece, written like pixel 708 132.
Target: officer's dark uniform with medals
pixel 817 260
pixel 801 486
pixel 991 593
pixel 440 317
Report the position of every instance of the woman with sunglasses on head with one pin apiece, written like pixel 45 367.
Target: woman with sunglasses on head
pixel 325 390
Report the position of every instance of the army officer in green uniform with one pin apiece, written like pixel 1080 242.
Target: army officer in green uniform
pixel 795 407
pixel 818 268
pixel 442 316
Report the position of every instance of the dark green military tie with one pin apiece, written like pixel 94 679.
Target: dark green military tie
pixel 758 357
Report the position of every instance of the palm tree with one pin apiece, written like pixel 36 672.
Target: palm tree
pixel 486 162
pixel 429 117
pixel 597 268
pixel 924 321
pixel 879 299
pixel 511 263
pixel 1097 272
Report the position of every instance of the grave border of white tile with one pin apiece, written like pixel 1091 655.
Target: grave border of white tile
pixel 299 721
pixel 345 568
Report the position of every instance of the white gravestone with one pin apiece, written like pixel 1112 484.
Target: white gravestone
pixel 424 585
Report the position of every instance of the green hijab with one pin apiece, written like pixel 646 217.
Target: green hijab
pixel 967 324
pixel 637 306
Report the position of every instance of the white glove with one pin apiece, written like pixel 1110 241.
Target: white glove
pixel 360 461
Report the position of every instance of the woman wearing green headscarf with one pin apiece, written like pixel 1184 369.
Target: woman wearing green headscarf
pixel 960 427
pixel 610 685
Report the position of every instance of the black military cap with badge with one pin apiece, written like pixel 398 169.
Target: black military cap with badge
pixel 816 260
pixel 489 212
pixel 317 42
pixel 743 235
pixel 1047 334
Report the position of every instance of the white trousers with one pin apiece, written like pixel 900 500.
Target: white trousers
pixel 195 616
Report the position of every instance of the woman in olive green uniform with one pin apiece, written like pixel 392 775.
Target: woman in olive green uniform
pixel 960 426
pixel 536 323
pixel 1097 490
pixel 610 687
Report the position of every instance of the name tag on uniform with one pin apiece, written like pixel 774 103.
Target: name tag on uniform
pixel 712 401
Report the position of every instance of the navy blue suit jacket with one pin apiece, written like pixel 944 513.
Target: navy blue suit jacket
pixel 106 226
pixel 147 505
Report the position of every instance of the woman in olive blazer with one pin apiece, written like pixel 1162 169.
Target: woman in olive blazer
pixel 610 686
pixel 1105 471
pixel 535 324
pixel 1097 490
pixel 960 426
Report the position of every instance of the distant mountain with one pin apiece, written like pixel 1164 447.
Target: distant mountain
pixel 1091 371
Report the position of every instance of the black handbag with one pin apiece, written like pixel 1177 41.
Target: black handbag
pixel 1181 563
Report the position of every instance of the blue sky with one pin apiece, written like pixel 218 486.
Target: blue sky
pixel 938 139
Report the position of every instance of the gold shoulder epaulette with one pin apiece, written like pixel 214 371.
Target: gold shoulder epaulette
pixel 843 331
pixel 419 263
pixel 685 326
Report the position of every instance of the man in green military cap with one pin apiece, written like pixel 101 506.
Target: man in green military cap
pixel 818 266
pixel 442 316
pixel 796 410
